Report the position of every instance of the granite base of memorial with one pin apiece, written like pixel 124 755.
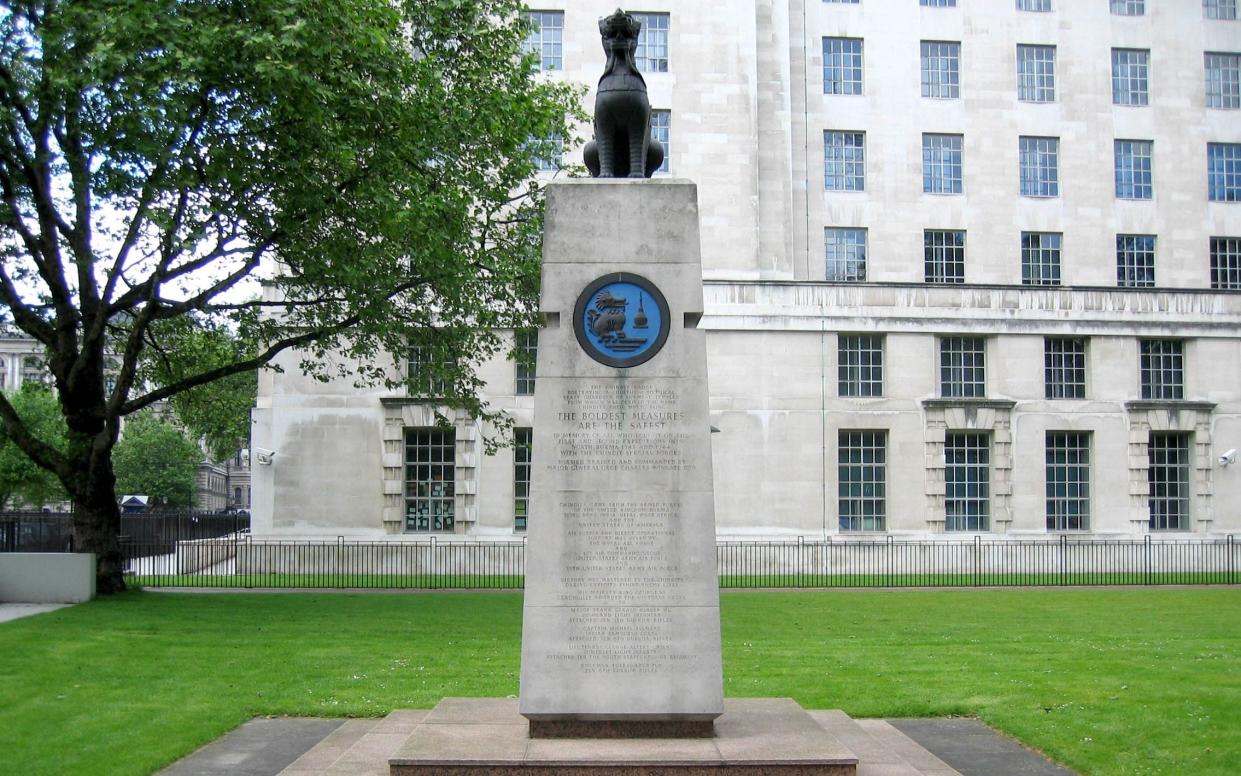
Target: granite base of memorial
pixel 753 737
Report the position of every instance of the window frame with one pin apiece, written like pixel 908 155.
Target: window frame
pixel 1222 76
pixel 962 367
pixel 1131 77
pixel 1036 74
pixel 523 446
pixel 960 473
pixel 943 263
pixel 661 130
pixel 1225 258
pixel 1224 172
pixel 1135 260
pixel 844 70
pixel 1067 463
pixel 861 477
pixel 1169 498
pixel 943 163
pixel 940 69
pixel 1161 369
pixel 1064 367
pixel 850 159
pixel 439 458
pixel 647 40
pixel 1040 263
pixel 536 43
pixel 1134 166
pixel 844 258
pixel 1039 159
pixel 859 365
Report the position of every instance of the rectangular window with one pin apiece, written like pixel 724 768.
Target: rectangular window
pixel 430 479
pixel 546 39
pixel 1130 76
pixel 1226 263
pixel 860 364
pixel 941 69
pixel 1040 258
pixel 522 444
pixel 527 352
pixel 967 481
pixel 661 130
pixel 943 255
pixel 1224 172
pixel 651 55
pixel 1135 260
pixel 1219 9
pixel 1033 5
pixel 1064 367
pixel 962 367
pixel 1223 80
pixel 846 254
pixel 843 2
pixel 863 476
pixel 1168 475
pixel 1068 481
pixel 1163 369
pixel 1036 73
pixel 938 3
pixel 548 153
pixel 1133 169
pixel 842 65
pixel 424 379
pixel 844 160
pixel 1040 166
pixel 1128 7
pixel 941 164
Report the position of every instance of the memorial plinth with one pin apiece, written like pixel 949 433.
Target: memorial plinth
pixel 621 625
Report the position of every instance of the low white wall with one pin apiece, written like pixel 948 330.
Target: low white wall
pixel 47 577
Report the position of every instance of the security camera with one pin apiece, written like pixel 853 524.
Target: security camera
pixel 1228 457
pixel 264 456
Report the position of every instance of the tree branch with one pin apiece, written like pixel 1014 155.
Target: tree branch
pixel 40 452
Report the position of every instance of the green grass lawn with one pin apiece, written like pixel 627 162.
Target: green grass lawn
pixel 1132 681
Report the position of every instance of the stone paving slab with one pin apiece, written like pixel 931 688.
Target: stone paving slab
pixel 319 747
pixel 17 611
pixel 974 749
pixel 260 747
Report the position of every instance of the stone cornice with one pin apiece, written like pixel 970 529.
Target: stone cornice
pixel 922 308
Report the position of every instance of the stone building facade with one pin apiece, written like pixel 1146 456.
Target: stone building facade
pixel 972 268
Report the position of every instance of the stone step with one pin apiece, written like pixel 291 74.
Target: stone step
pixel 360 747
pixel 879 753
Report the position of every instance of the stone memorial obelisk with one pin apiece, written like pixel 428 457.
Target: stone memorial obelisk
pixel 621 630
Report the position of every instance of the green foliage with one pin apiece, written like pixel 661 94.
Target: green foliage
pixel 1107 681
pixel 217 412
pixel 22 481
pixel 155 458
pixel 372 157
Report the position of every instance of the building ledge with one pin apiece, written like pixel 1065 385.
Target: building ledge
pixel 985 404
pixel 943 309
pixel 1169 404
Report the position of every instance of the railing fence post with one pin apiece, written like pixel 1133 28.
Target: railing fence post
pixel 1146 559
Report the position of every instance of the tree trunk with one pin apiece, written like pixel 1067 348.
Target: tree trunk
pixel 97 523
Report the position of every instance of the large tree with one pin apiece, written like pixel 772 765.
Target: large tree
pixel 369 159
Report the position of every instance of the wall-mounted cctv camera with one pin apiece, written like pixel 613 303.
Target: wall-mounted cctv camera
pixel 264 456
pixel 1228 457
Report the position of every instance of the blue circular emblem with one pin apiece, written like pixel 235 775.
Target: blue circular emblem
pixel 621 320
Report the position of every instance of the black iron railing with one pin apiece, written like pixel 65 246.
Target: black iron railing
pixel 238 560
pixel 142 535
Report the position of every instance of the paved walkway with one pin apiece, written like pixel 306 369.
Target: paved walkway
pixel 265 747
pixel 14 611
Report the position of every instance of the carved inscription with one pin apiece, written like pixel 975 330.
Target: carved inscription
pixel 617 552
pixel 621 428
pixel 621 640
